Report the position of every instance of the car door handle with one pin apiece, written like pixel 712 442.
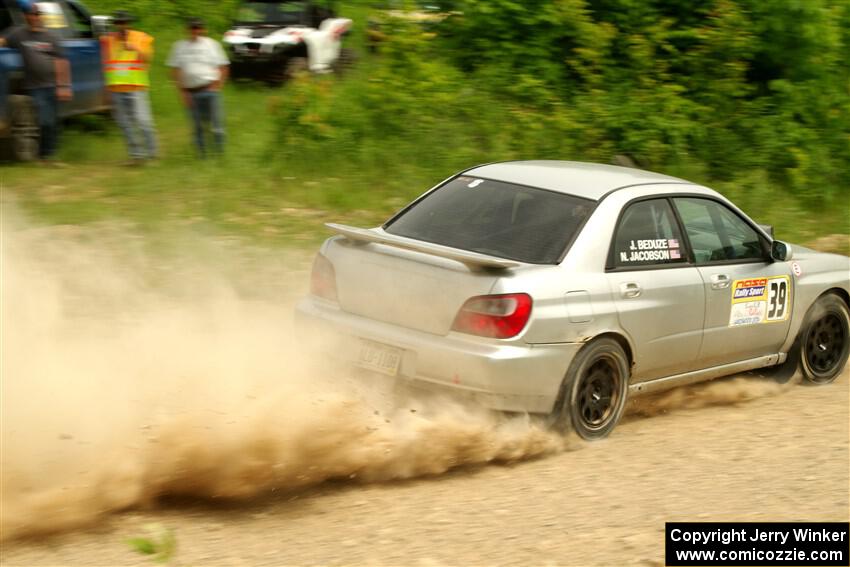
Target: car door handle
pixel 630 290
pixel 720 281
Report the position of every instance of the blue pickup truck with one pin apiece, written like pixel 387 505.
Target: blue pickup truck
pixel 79 31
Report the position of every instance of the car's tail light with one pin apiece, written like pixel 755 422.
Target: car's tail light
pixel 323 278
pixel 496 316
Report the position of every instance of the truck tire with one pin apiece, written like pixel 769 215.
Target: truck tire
pixel 287 69
pixel 241 70
pixel 24 135
pixel 295 66
pixel 345 61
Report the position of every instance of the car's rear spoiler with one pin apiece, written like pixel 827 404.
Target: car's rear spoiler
pixel 473 260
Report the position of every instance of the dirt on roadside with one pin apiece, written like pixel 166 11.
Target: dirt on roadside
pixel 168 390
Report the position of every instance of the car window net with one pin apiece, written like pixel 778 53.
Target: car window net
pixel 495 218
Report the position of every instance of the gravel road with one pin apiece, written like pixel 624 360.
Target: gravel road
pixel 136 377
pixel 778 457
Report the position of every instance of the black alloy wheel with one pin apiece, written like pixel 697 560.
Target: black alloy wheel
pixel 825 340
pixel 598 393
pixel 594 391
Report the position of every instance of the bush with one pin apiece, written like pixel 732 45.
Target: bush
pixel 716 90
pixel 171 14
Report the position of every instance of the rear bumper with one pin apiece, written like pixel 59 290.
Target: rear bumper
pixel 500 376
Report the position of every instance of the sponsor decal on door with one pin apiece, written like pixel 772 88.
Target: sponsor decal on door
pixel 760 300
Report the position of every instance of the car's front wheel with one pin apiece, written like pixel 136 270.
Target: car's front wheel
pixel 593 394
pixel 824 340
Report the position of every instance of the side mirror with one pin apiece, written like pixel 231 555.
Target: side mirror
pixel 780 251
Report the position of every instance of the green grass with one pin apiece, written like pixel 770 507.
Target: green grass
pixel 244 193
pixel 251 193
pixel 160 543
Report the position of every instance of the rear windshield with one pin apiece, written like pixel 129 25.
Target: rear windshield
pixel 495 218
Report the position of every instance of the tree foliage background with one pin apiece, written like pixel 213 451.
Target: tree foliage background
pixel 730 87
pixel 746 95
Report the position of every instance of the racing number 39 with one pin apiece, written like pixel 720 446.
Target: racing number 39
pixel 777 299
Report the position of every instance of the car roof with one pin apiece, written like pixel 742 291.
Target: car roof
pixel 588 180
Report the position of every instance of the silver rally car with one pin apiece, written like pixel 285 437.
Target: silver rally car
pixel 561 288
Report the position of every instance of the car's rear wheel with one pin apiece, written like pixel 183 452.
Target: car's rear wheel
pixel 824 340
pixel 593 395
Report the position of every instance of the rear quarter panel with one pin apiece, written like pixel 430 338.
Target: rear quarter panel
pixel 569 306
pixel 572 301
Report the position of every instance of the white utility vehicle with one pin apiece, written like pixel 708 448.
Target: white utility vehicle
pixel 272 40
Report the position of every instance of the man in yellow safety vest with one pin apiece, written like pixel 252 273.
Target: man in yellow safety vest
pixel 126 58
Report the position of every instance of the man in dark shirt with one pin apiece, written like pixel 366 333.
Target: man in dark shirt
pixel 47 75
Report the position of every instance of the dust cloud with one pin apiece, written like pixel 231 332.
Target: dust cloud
pixel 724 391
pixel 135 368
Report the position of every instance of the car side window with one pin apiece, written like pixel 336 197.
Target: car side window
pixel 79 21
pixel 717 234
pixel 648 235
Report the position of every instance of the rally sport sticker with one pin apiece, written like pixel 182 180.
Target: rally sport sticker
pixel 760 300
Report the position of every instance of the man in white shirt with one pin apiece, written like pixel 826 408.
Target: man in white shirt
pixel 199 68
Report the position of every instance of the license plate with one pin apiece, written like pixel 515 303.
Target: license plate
pixel 379 357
